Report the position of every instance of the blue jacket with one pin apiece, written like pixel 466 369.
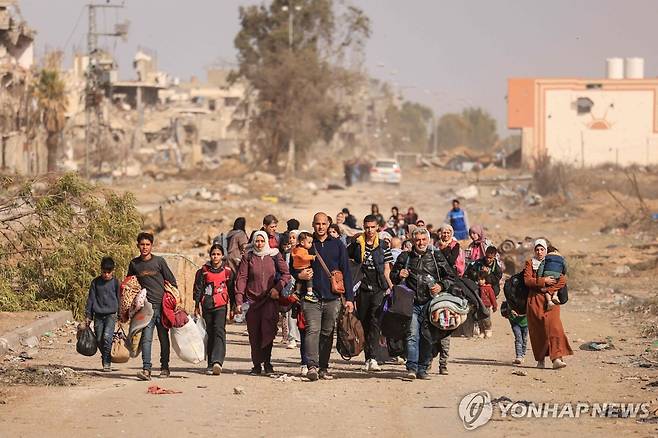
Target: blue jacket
pixel 459 221
pixel 334 254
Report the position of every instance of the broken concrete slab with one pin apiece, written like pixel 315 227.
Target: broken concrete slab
pixel 469 192
pixel 13 339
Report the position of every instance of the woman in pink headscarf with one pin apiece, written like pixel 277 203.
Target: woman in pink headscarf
pixel 478 245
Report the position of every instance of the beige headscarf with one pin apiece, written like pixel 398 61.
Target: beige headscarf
pixel 266 251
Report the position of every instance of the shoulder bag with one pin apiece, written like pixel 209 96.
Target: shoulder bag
pixel 335 276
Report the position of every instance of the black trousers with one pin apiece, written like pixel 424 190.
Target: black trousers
pixel 367 303
pixel 216 329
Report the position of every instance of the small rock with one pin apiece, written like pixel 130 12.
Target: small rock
pixel 520 373
pixel 236 189
pixel 238 390
pixel 622 270
pixel 30 342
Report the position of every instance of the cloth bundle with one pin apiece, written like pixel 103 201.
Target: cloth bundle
pixel 130 289
pixel 447 312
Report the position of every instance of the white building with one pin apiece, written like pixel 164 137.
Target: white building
pixel 587 122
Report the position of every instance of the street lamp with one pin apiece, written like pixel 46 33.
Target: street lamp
pixel 291 142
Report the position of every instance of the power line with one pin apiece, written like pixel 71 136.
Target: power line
pixel 75 27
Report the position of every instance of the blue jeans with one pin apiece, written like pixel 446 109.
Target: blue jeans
pixel 419 349
pixel 147 340
pixel 520 339
pixel 104 329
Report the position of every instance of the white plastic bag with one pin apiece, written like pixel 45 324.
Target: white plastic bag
pixel 201 326
pixel 188 342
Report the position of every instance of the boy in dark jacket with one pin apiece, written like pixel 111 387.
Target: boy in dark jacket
pixel 102 307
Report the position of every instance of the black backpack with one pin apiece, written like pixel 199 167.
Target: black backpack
pixel 516 293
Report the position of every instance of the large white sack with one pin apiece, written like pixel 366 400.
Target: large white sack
pixel 201 326
pixel 188 342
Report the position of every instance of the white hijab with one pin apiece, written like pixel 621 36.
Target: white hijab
pixel 535 261
pixel 266 251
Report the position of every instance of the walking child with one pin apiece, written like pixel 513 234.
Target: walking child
pixel 301 259
pixel 102 307
pixel 519 324
pixel 488 297
pixel 213 294
pixel 553 265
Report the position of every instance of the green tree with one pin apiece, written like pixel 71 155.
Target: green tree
pixel 406 127
pixel 53 234
pixel 452 131
pixel 474 127
pixel 296 83
pixel 481 128
pixel 50 92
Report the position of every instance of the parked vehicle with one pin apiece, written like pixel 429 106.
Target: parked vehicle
pixel 386 171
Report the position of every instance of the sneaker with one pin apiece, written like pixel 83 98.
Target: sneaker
pixel 443 371
pixel 325 375
pixel 144 375
pixel 312 374
pixel 558 363
pixel 488 333
pixel 422 375
pixel 518 361
pixel 216 369
pixel 410 375
pixel 541 364
pixel 304 371
pixel 107 368
pixel 209 371
pixel 400 360
pixel 366 367
pixel 374 366
pixel 164 373
pixel 256 371
pixel 292 344
pixel 269 369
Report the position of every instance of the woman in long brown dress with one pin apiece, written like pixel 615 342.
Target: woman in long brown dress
pixel 545 326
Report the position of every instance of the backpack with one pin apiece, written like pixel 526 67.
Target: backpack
pixel 516 293
pixel 222 239
pixel 351 338
pixel 218 292
pixel 395 312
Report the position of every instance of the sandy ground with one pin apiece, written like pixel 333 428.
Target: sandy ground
pixel 382 404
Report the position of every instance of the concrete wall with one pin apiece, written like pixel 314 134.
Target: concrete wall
pixel 618 129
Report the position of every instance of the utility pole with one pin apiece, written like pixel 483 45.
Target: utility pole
pixel 290 165
pixel 94 80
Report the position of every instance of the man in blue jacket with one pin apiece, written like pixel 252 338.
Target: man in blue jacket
pixel 458 219
pixel 322 306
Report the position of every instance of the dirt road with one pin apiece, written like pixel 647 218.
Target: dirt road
pixel 356 403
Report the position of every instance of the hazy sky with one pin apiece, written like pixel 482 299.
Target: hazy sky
pixel 446 54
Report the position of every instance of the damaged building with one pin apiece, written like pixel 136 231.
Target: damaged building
pixel 20 150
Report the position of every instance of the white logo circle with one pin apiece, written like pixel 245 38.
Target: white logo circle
pixel 475 409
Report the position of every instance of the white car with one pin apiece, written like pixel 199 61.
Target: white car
pixel 386 171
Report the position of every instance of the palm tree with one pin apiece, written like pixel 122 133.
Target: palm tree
pixel 51 100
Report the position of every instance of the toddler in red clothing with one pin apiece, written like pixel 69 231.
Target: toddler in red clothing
pixel 488 297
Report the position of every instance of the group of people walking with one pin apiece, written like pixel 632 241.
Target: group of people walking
pixel 290 278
